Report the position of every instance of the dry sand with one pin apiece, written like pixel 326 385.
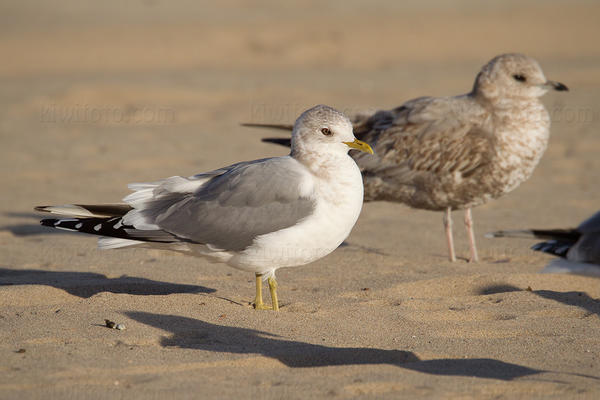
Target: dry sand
pixel 97 95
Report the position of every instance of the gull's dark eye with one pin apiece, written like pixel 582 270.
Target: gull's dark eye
pixel 326 132
pixel 519 77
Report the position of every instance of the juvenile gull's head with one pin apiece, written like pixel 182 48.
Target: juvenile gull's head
pixel 513 76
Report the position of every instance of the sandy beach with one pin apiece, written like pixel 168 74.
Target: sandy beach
pixel 98 95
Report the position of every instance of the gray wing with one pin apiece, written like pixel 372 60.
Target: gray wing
pixel 231 206
pixel 587 249
pixel 591 224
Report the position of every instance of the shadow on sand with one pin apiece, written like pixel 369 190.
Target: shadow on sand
pixel 577 299
pixel 196 334
pixel 87 284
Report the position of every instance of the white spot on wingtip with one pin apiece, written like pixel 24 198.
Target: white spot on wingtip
pixel 97 227
pixel 79 225
pixel 60 221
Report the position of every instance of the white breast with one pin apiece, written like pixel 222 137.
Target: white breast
pixel 339 198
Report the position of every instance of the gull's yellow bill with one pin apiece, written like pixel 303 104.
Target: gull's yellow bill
pixel 359 145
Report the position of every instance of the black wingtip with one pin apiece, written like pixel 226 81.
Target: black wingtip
pixel 41 208
pixel 48 222
pixel 286 142
pixel 557 248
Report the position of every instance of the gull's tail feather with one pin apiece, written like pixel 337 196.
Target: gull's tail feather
pixel 125 224
pixel 281 127
pixel 558 241
pixel 564 234
pixel 108 243
pixel 286 142
pixel 90 210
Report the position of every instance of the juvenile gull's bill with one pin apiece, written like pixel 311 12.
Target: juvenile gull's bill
pixel 256 215
pixel 447 153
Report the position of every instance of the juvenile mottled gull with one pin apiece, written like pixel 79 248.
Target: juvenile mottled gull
pixel 578 245
pixel 256 216
pixel 446 153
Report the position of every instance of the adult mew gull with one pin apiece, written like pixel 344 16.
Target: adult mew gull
pixel 256 215
pixel 447 153
pixel 581 244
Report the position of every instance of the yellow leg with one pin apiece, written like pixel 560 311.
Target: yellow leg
pixel 273 290
pixel 258 300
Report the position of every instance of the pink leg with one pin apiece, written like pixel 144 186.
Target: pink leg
pixel 469 226
pixel 449 238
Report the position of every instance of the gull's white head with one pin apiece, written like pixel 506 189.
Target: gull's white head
pixel 513 76
pixel 324 130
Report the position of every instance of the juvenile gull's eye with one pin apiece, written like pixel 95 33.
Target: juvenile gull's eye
pixel 519 77
pixel 326 132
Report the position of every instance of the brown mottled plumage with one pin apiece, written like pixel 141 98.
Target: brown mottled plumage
pixel 458 152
